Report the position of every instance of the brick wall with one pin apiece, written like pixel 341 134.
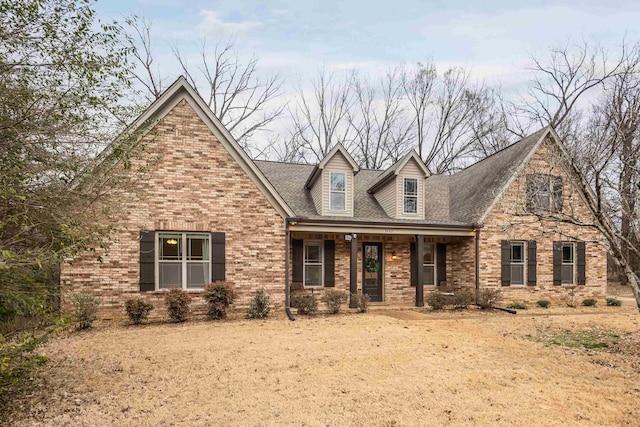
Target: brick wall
pixel 509 220
pixel 194 185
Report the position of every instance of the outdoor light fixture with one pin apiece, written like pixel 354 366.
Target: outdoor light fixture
pixel 393 255
pixel 172 242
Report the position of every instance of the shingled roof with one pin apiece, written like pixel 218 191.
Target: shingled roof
pixel 458 199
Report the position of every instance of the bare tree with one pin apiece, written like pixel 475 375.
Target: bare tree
pixel 559 82
pixel 418 83
pixel 453 118
pixel 383 132
pixel 244 102
pixel 319 117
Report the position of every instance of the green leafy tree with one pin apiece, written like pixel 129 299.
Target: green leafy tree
pixel 62 75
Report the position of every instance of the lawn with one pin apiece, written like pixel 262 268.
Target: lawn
pixel 383 369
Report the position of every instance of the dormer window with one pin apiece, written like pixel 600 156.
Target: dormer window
pixel 338 191
pixel 410 196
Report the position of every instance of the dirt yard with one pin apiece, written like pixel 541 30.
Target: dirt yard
pixel 380 369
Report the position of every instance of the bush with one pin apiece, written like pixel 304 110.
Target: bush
pixel 85 308
pixel 517 306
pixel 614 302
pixel 177 302
pixel 463 298
pixel 219 296
pixel 362 302
pixel 436 300
pixel 18 359
pixel 543 303
pixel 489 298
pixel 259 307
pixel 305 303
pixel 138 310
pixel 334 299
pixel 589 302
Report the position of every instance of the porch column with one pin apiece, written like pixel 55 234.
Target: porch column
pixel 353 271
pixel 420 275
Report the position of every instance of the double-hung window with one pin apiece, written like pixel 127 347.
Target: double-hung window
pixel 184 260
pixel 337 198
pixel 313 266
pixel 517 263
pixel 410 202
pixel 568 263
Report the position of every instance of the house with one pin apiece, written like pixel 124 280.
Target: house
pixel 516 221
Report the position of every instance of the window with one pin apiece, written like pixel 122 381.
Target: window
pixel 568 264
pixel 313 264
pixel 184 260
pixel 410 195
pixel 517 263
pixel 429 265
pixel 338 191
pixel 544 193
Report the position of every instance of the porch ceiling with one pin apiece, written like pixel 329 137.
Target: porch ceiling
pixel 384 229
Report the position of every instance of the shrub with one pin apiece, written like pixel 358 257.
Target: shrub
pixel 517 306
pixel 138 310
pixel 543 303
pixel 614 302
pixel 85 308
pixel 362 302
pixel 219 296
pixel 436 300
pixel 589 302
pixel 489 298
pixel 259 307
pixel 177 302
pixel 18 358
pixel 334 299
pixel 463 298
pixel 305 303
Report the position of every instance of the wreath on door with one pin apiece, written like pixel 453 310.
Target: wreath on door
pixel 372 265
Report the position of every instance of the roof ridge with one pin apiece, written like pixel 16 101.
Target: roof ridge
pixel 500 150
pixel 282 162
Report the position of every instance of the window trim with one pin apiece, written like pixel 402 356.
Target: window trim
pixel 405 196
pixel 534 208
pixel 523 263
pixel 344 192
pixel 184 261
pixel 320 244
pixel 433 264
pixel 573 263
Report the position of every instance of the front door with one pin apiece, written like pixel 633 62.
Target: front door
pixel 372 264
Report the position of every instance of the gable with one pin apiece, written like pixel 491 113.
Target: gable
pixel 193 178
pixel 548 160
pixel 181 92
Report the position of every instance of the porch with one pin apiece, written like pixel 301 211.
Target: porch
pixel 394 269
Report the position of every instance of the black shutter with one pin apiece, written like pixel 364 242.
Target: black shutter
pixel 505 251
pixel 531 262
pixel 582 263
pixel 413 270
pixel 147 261
pixel 329 263
pixel 557 263
pixel 557 194
pixel 441 259
pixel 218 259
pixel 298 253
pixel 530 193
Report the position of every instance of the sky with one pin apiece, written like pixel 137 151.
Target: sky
pixel 494 38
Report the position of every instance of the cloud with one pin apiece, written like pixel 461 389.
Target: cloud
pixel 211 23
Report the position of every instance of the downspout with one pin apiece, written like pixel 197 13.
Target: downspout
pixel 287 286
pixel 477 256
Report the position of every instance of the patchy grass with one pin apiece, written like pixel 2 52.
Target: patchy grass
pixel 588 339
pixel 396 368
